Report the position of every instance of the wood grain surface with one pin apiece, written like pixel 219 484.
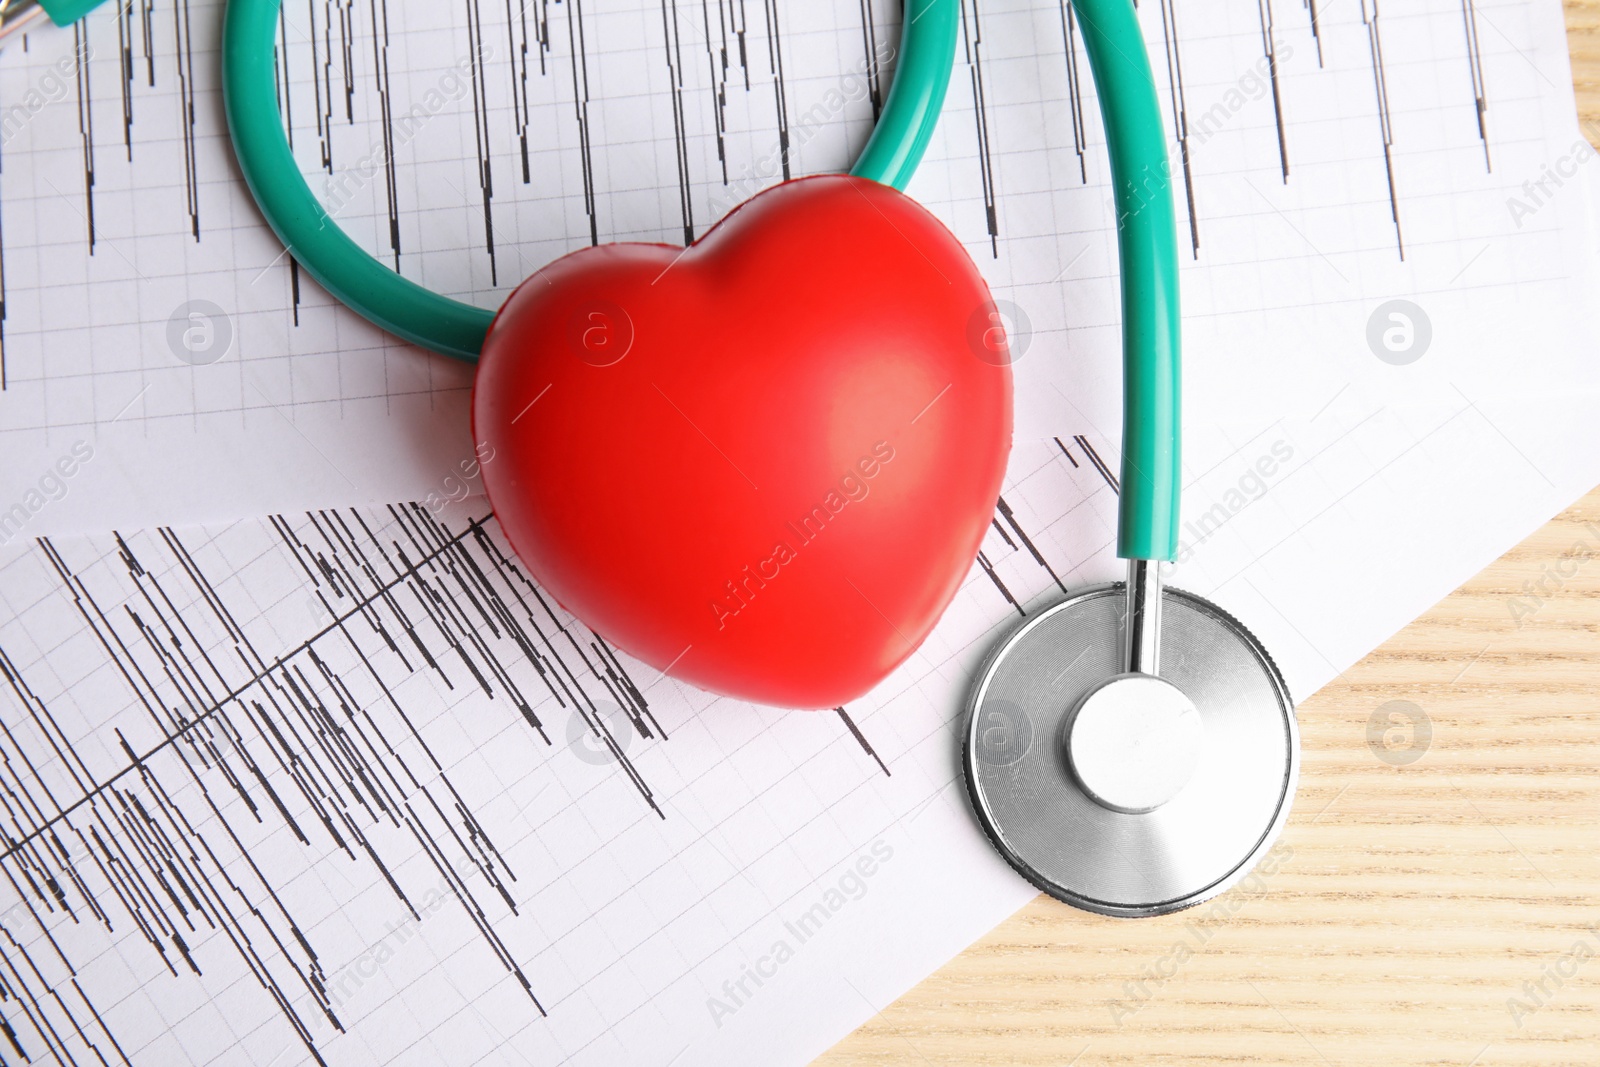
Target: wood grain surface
pixel 1442 911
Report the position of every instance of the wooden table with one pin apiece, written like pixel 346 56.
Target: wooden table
pixel 1423 906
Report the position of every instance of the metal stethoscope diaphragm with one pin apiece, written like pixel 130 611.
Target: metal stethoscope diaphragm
pixel 1129 750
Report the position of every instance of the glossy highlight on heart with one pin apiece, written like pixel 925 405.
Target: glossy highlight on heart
pixel 762 464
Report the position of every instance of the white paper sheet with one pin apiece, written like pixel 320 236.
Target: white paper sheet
pixel 1332 495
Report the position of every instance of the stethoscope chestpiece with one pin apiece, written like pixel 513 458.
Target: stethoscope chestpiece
pixel 1131 794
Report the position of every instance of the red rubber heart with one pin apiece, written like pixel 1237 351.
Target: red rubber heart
pixel 764 463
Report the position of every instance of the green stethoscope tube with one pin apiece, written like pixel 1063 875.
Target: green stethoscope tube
pixel 423 317
pixel 1147 520
pixel 344 268
pixel 921 76
pixel 66 12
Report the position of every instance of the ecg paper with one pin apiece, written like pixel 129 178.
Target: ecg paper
pixel 339 785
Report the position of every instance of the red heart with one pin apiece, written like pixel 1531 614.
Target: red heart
pixel 764 463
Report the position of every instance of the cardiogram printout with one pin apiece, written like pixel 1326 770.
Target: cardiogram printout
pixel 338 784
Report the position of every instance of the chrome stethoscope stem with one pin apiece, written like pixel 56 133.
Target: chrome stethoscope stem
pixel 1141 637
pixel 18 15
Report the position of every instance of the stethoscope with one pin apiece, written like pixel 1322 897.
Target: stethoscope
pixel 1131 750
